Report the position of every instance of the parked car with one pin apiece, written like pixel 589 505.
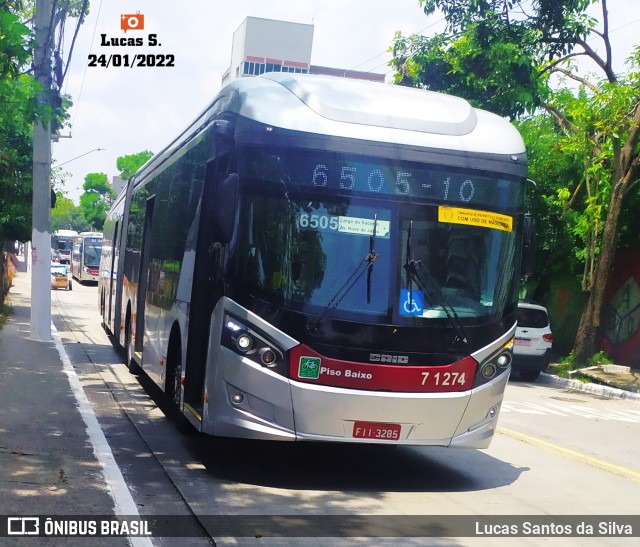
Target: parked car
pixel 60 277
pixel 533 341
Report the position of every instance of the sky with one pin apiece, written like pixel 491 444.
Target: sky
pixel 127 110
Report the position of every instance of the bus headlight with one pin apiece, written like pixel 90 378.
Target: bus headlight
pixel 268 357
pixel 488 370
pixel 244 342
pixel 249 342
pixel 496 365
pixel 504 360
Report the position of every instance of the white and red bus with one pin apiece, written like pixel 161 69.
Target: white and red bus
pixel 86 255
pixel 317 258
pixel 62 245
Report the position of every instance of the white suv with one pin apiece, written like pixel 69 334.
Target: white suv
pixel 532 348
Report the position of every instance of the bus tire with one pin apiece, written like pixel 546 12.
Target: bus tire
pixel 173 382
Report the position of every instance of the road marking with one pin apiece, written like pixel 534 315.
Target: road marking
pixel 572 454
pixel 116 484
pixel 566 410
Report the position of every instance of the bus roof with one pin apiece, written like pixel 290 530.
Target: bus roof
pixel 372 111
pixel 392 107
pixel 357 109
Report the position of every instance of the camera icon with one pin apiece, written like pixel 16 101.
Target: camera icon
pixel 132 21
pixel 23 526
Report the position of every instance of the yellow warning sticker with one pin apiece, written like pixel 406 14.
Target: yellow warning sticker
pixel 473 217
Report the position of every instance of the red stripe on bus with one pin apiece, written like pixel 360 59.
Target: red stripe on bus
pixel 309 366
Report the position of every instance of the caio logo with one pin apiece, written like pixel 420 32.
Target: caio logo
pixel 132 21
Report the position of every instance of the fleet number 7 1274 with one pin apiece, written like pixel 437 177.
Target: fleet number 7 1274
pixel 444 378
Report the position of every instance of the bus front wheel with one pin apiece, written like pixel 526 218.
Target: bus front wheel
pixel 173 387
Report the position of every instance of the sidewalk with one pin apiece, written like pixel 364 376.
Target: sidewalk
pixel 612 385
pixel 47 462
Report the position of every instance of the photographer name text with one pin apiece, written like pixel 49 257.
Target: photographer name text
pixel 131 22
pixel 603 528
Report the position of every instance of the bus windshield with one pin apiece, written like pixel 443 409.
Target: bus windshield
pixel 308 248
pixel 62 243
pixel 92 252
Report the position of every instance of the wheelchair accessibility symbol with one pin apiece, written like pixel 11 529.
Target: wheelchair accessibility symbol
pixel 411 306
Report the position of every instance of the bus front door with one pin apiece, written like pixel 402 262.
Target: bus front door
pixel 205 293
pixel 143 279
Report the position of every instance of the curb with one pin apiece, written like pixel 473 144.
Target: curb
pixel 606 392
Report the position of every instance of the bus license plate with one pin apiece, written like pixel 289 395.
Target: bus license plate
pixel 376 430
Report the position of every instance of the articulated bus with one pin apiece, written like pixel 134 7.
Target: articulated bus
pixel 324 259
pixel 61 245
pixel 86 256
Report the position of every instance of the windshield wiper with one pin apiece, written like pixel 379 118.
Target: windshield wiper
pixel 425 282
pixel 366 265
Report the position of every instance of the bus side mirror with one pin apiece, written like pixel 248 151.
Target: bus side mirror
pixel 529 245
pixel 224 208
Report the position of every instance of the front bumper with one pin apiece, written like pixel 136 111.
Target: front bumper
pixel 244 399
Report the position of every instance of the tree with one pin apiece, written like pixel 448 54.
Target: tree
pixel 554 168
pixel 602 123
pixel 128 165
pixel 474 66
pixel 66 215
pixel 96 199
pixel 17 111
pixel 17 92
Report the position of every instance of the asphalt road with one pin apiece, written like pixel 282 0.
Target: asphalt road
pixel 556 453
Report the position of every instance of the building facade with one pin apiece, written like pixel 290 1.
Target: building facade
pixel 266 45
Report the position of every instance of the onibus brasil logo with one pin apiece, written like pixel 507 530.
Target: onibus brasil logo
pixel 309 367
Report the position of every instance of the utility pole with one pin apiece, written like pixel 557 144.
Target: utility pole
pixel 41 223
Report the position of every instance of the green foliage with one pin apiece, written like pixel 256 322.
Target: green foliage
pixel 492 54
pixel 577 163
pixel 98 194
pixel 555 26
pixel 569 363
pixel 15 40
pixel 17 111
pixel 583 143
pixel 96 199
pixel 66 215
pixel 5 312
pixel 128 165
pixel 475 65
pixel 552 172
pixel 97 183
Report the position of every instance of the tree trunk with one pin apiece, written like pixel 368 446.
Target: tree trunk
pixel 586 343
pixel 627 166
